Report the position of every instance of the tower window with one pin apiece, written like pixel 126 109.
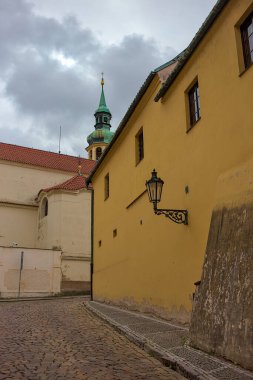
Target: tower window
pixel 107 186
pixel 90 154
pixel 139 146
pixel 98 153
pixel 194 104
pixel 105 119
pixel 247 40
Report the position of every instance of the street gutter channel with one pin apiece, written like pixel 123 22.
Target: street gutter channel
pixel 185 360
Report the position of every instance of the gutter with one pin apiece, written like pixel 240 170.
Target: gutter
pixel 92 245
pixel 215 12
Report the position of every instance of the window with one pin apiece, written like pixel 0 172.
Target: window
pixel 194 104
pixel 139 146
pixel 105 119
pixel 90 154
pixel 107 184
pixel 44 207
pixel 98 153
pixel 114 233
pixel 247 40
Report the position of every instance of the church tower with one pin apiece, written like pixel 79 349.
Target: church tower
pixel 102 136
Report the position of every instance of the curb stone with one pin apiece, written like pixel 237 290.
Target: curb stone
pixel 179 364
pixel 167 360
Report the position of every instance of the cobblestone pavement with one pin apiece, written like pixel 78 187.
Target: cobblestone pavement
pixel 61 339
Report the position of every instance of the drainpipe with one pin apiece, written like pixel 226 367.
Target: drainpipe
pixel 20 271
pixel 92 244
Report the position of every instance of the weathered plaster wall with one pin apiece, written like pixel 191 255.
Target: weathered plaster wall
pixel 40 276
pixel 19 186
pixel 68 227
pixel 18 225
pixel 67 224
pixel 222 318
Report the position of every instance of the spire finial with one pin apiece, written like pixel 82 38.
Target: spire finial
pixel 102 79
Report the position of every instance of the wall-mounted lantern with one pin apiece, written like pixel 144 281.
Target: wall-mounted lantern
pixel 154 187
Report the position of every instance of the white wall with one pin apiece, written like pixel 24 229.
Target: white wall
pixel 40 276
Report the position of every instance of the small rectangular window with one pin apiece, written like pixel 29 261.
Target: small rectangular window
pixel 139 146
pixel 194 104
pixel 107 186
pixel 115 232
pixel 247 40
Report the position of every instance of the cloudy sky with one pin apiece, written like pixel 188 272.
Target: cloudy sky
pixel 52 53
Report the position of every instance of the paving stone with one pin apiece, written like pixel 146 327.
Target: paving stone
pixel 61 339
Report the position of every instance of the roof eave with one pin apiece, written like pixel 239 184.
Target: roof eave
pixel 217 9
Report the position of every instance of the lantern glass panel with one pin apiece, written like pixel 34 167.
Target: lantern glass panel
pixel 154 187
pixel 159 190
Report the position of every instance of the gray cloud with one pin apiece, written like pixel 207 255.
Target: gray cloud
pixel 48 94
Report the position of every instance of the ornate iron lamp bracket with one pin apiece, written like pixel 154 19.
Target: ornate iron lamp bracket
pixel 177 216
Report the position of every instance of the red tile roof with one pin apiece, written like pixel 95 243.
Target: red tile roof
pixel 51 160
pixel 75 183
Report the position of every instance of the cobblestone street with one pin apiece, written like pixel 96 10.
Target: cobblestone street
pixel 61 339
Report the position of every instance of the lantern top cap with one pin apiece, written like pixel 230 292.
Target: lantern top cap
pixel 154 177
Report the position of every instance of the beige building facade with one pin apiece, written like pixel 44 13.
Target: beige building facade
pixel 45 205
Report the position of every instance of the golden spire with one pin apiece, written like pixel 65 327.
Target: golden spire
pixel 102 79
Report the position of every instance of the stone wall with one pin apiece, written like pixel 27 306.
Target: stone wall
pixel 222 317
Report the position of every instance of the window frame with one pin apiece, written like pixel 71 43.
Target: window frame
pixel 44 207
pixel 245 41
pixel 238 40
pixel 139 146
pixel 193 105
pixel 106 186
pixel 98 149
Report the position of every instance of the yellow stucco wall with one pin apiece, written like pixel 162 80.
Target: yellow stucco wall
pixel 153 263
